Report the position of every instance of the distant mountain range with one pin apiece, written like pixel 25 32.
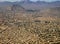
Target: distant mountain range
pixel 33 5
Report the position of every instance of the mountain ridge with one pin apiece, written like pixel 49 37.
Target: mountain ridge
pixel 32 5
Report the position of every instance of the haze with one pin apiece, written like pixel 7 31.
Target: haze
pixel 31 0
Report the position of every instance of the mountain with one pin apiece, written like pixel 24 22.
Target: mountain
pixel 32 5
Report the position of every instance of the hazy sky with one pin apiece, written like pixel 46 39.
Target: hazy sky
pixel 32 0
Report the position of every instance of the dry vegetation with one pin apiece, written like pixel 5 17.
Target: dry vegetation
pixel 22 27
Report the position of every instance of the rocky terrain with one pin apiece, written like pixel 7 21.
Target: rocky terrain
pixel 21 26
